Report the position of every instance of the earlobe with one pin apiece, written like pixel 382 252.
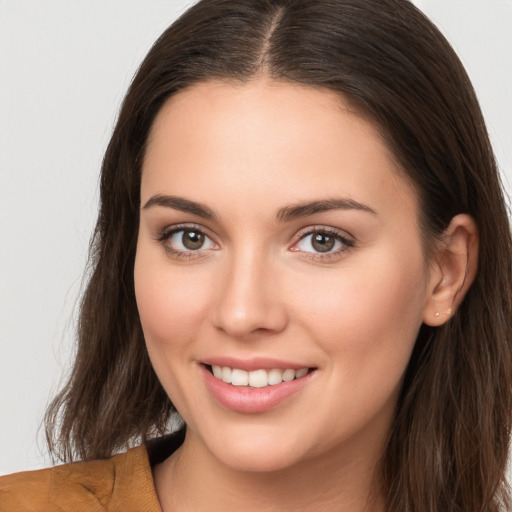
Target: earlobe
pixel 454 270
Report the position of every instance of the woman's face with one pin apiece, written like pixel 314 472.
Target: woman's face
pixel 278 240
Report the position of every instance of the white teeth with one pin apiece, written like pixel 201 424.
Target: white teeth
pixel 275 377
pixel 300 373
pixel 239 377
pixel 256 378
pixel 226 374
pixel 288 375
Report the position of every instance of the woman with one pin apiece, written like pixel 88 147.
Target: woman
pixel 303 248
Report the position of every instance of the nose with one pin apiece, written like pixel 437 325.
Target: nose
pixel 248 299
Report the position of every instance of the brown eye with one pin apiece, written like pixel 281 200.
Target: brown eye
pixel 192 240
pixel 323 242
pixel 187 240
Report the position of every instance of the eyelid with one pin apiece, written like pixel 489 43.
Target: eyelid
pixel 322 228
pixel 166 233
pixel 348 242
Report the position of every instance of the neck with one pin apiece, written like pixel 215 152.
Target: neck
pixel 193 479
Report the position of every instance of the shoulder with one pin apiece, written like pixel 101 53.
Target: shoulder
pixel 123 482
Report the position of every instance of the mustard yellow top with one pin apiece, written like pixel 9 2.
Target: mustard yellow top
pixel 123 483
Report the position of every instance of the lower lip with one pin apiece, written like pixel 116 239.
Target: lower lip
pixel 246 399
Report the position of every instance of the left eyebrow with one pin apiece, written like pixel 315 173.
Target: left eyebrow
pixel 309 208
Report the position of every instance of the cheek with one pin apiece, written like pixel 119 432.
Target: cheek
pixel 170 309
pixel 170 304
pixel 365 320
pixel 369 313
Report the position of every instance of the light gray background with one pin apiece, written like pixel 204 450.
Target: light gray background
pixel 64 67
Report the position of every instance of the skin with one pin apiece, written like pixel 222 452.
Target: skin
pixel 259 288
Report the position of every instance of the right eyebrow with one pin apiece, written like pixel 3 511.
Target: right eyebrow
pixel 181 204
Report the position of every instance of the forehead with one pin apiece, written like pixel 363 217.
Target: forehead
pixel 269 140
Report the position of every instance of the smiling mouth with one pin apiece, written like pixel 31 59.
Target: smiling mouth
pixel 256 378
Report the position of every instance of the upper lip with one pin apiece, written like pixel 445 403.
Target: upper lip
pixel 255 363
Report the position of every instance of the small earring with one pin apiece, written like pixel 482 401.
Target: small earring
pixel 448 313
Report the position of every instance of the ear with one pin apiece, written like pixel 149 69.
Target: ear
pixel 453 270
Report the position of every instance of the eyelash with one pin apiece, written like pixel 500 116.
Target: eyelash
pixel 168 233
pixel 347 244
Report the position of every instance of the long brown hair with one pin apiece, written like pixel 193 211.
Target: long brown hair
pixel 448 446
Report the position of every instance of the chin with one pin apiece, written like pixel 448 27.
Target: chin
pixel 255 452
